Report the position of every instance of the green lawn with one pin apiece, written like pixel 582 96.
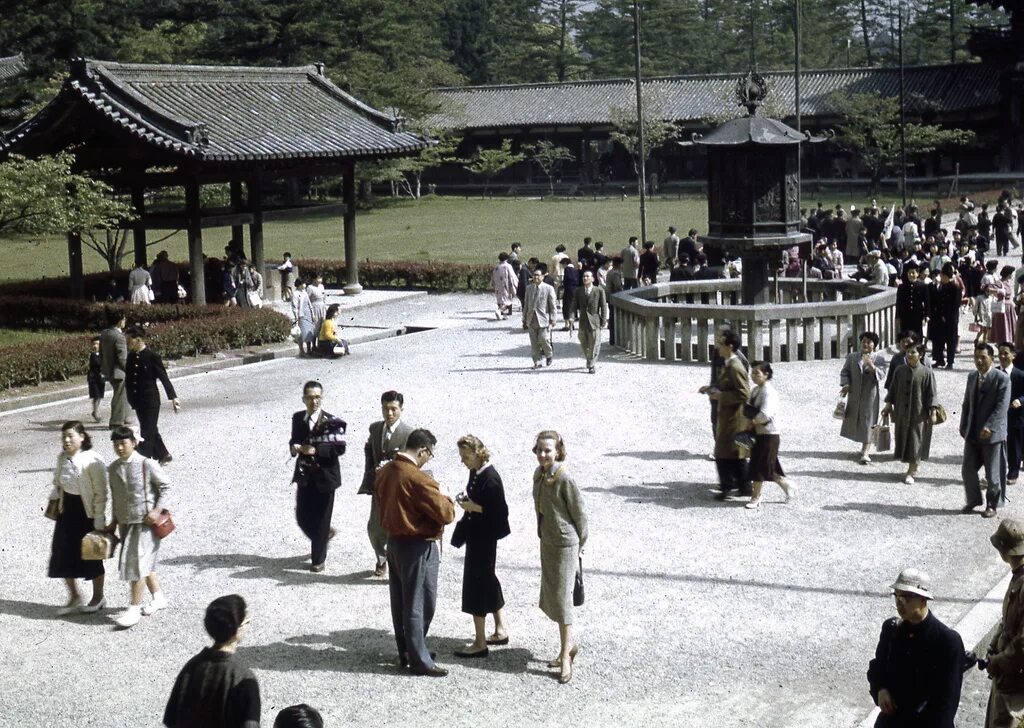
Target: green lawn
pixel 12 336
pixel 440 228
pixel 444 228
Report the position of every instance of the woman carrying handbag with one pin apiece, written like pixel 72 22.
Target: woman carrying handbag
pixel 78 504
pixel 764 456
pixel 138 488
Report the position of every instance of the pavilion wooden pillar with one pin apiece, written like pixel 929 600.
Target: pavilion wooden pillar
pixel 139 229
pixel 348 194
pixel 75 265
pixel 195 243
pixel 237 231
pixel 255 189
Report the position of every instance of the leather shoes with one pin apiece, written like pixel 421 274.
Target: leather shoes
pixel 502 641
pixel 380 570
pixel 434 671
pixel 403 659
pixel 547 361
pixel 316 568
pixel 989 513
pixel 470 655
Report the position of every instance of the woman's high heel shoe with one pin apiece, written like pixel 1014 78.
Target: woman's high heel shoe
pixel 565 675
pixel 557 662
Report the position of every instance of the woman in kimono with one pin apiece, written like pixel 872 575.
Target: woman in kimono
pixel 859 379
pixel 911 401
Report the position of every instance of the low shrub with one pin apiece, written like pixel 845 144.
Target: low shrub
pixel 209 330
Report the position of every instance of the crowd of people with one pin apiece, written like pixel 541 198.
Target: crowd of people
pixel 916 673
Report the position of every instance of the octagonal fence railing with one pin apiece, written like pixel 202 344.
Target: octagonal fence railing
pixel 677 321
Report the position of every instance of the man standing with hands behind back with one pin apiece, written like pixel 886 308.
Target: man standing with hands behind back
pixel 589 301
pixel 318 439
pixel 386 439
pixel 983 427
pixel 414 512
pixel 538 315
pixel 113 363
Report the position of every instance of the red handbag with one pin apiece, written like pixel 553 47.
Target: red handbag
pixel 163 526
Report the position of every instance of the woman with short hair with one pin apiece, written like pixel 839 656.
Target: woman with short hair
pixel 562 528
pixel 859 378
pixel 484 523
pixel 764 455
pixel 912 402
pixel 328 341
pixel 80 494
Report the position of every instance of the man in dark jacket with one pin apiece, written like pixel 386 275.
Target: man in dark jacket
pixel 318 439
pixel 917 671
pixel 912 301
pixel 143 369
pixel 1015 415
pixel 113 359
pixel 944 326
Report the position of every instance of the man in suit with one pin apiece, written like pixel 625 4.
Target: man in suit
pixel 589 301
pixel 414 512
pixel 113 360
pixel 916 675
pixel 983 427
pixel 1015 415
pixel 144 368
pixel 319 443
pixel 386 439
pixel 538 315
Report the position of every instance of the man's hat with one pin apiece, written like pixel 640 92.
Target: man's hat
pixel 1009 537
pixel 913 581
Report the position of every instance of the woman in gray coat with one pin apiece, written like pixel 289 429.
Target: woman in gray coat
pixel 912 400
pixel 859 379
pixel 562 528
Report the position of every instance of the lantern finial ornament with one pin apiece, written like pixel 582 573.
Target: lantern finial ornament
pixel 751 90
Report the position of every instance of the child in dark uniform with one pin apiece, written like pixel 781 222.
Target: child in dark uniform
pixel 95 379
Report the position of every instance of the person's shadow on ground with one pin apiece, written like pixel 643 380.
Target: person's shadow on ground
pixel 286 570
pixel 372 651
pixel 670 495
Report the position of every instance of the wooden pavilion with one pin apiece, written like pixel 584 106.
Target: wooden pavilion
pixel 141 127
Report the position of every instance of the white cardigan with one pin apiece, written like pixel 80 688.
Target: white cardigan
pixel 90 474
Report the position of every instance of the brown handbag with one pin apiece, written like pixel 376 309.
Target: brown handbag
pixel 163 526
pixel 52 509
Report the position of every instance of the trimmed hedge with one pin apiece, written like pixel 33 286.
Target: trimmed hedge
pixel 433 275
pixel 200 331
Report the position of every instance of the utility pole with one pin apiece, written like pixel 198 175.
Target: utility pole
pixel 903 120
pixel 796 91
pixel 952 31
pixel 641 155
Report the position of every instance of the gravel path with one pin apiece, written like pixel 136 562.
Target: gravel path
pixel 698 613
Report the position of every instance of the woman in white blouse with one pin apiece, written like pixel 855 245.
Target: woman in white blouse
pixel 764 457
pixel 80 490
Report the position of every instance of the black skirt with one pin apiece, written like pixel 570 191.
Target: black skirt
pixel 764 459
pixel 481 590
pixel 66 552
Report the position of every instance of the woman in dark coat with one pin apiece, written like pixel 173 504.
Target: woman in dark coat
pixel 484 523
pixel 731 392
pixel 912 402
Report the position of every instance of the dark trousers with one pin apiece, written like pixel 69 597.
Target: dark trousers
pixel 944 342
pixel 313 511
pixel 152 445
pixel 611 326
pixel 1014 451
pixel 993 457
pixel 412 577
pixel 732 474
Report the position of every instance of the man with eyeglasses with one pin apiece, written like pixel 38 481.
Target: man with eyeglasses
pixel 318 439
pixel 414 511
pixel 917 672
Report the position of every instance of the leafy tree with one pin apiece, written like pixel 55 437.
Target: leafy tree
pixel 440 152
pixel 657 127
pixel 549 157
pixel 489 162
pixel 44 196
pixel 870 128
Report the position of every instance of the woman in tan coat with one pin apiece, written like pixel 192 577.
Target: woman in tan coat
pixel 562 528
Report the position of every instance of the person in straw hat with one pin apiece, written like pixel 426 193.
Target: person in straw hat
pixel 1006 651
pixel 917 671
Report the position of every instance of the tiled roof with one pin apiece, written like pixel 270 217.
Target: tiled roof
pixel 946 88
pixel 226 114
pixel 11 66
